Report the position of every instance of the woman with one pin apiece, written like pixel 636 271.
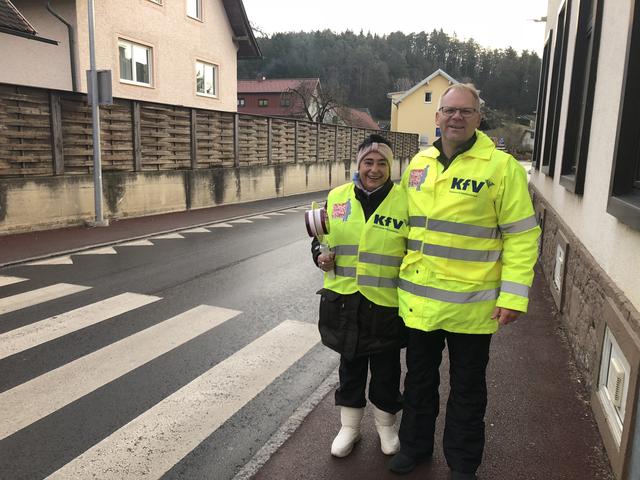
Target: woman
pixel 359 303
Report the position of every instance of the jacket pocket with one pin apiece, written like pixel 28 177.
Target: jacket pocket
pixel 337 325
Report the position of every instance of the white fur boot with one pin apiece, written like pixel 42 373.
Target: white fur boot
pixel 349 434
pixel 385 425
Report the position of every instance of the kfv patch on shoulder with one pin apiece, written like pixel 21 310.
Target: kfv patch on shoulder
pixel 341 210
pixel 417 177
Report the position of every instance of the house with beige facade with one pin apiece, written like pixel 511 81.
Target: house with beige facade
pixel 586 187
pixel 414 110
pixel 180 52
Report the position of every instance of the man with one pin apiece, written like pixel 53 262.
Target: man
pixel 471 250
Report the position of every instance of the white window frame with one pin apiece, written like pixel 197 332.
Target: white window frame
pixel 140 46
pixel 215 68
pixel 241 102
pixel 198 5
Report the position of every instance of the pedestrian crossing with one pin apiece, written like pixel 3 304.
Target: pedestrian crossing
pixel 154 441
pixel 179 235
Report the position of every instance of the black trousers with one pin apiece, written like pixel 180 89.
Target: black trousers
pixel 464 422
pixel 384 386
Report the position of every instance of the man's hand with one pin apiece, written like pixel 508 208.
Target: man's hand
pixel 505 315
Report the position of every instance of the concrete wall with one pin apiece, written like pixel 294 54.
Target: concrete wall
pixel 51 202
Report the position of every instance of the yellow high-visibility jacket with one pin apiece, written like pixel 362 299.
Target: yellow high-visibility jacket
pixel 472 241
pixel 368 254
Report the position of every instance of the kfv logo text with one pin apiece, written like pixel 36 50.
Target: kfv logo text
pixel 386 221
pixel 465 183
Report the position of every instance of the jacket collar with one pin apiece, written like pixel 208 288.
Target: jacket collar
pixel 481 149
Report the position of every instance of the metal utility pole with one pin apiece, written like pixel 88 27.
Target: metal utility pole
pixel 95 116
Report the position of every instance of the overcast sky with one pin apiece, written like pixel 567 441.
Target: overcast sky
pixel 491 23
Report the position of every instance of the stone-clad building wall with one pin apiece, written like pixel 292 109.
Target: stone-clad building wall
pixel 586 287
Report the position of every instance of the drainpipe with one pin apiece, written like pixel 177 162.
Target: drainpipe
pixel 72 47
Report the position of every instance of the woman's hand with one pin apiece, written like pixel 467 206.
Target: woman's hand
pixel 326 261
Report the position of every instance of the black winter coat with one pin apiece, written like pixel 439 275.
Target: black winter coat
pixel 351 324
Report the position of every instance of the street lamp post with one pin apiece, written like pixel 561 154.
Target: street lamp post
pixel 95 117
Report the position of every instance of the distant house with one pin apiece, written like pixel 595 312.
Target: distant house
pixel 279 97
pixel 182 52
pixel 414 110
pixel 355 117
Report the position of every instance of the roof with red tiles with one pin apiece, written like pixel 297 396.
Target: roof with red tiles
pixel 276 85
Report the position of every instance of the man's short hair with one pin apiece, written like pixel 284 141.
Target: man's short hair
pixel 467 87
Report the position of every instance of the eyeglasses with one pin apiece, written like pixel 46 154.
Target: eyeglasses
pixel 451 111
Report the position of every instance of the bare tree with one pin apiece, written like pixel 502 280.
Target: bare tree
pixel 313 101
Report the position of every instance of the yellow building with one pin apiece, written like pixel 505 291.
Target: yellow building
pixel 414 110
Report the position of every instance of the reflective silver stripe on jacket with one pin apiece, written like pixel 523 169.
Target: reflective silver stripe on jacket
pixel 345 249
pixel 378 259
pixel 462 229
pixel 520 226
pixel 515 288
pixel 447 295
pixel 370 281
pixel 414 244
pixel 445 226
pixel 345 271
pixel 418 221
pixel 461 253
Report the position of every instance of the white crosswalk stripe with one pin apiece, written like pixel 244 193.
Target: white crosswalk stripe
pixel 168 236
pixel 20 339
pixel 154 442
pixel 240 220
pixel 61 260
pixel 40 295
pixel 57 388
pixel 4 281
pixel 136 243
pixel 260 217
pixel 219 225
pixel 275 214
pixel 98 251
pixel 196 230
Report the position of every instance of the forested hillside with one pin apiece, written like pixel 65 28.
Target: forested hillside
pixel 360 69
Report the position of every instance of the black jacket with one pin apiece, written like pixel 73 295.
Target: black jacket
pixel 351 324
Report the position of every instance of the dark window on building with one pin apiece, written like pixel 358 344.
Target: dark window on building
pixel 624 197
pixel 583 83
pixel 552 122
pixel 285 101
pixel 542 96
pixel 427 97
pixel 241 102
pixel 263 102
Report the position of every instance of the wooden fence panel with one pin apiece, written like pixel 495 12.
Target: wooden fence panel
pixel 344 144
pixel 77 134
pixel 25 132
pixel 252 141
pixel 144 136
pixel 166 137
pixel 215 139
pixel 282 141
pixel 116 136
pixel 326 143
pixel 307 136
